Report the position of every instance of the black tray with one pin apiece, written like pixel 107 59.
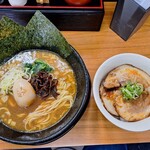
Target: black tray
pixel 65 17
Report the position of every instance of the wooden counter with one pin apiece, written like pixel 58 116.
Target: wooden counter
pixel 95 48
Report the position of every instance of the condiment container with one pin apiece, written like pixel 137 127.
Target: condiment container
pixel 129 16
pixel 77 2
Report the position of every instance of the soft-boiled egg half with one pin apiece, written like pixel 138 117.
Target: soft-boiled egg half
pixel 24 94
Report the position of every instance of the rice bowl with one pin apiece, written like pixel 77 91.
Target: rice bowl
pixel 136 60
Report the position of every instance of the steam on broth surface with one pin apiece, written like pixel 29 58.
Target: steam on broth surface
pixel 50 105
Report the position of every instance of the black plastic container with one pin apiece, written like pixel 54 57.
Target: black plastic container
pixel 64 16
pixel 128 17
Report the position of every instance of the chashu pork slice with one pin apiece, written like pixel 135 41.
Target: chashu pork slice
pixel 130 111
pixel 123 74
pixel 108 98
pixel 135 110
pixel 138 109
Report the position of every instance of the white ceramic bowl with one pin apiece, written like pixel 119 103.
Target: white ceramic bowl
pixel 17 2
pixel 136 60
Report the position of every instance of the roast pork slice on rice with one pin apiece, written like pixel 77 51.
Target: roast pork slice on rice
pixel 108 99
pixel 135 110
pixel 123 74
pixel 112 97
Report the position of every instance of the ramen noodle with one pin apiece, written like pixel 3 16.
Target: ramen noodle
pixel 32 99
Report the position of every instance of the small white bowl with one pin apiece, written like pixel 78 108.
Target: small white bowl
pixel 17 2
pixel 136 60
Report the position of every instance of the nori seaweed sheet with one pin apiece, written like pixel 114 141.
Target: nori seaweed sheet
pixel 14 43
pixel 39 33
pixel 46 35
pixel 8 27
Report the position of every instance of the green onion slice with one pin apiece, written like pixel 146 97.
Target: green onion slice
pixel 132 91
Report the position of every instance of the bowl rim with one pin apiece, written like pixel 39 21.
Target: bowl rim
pixel 138 126
pixel 73 121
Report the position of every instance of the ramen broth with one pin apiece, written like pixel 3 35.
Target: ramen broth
pixel 43 113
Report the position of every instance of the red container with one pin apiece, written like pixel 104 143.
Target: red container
pixel 66 17
pixel 78 2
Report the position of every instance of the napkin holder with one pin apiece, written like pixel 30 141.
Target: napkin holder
pixel 128 17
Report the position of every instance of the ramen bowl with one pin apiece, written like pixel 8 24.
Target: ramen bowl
pixel 60 128
pixel 135 60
